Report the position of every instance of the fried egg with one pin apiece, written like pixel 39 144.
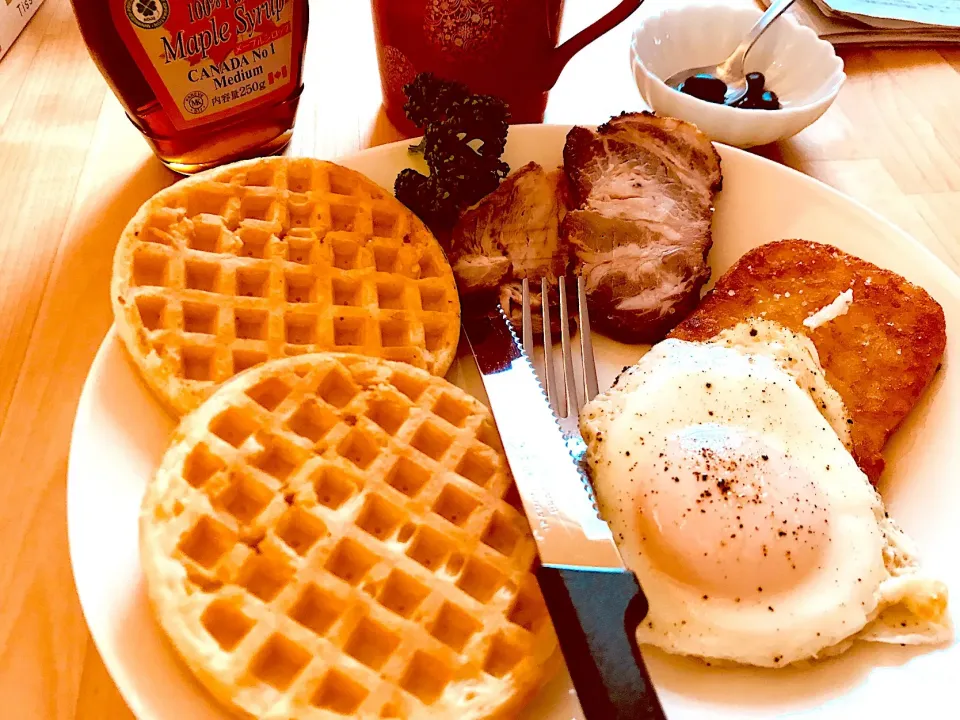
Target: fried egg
pixel 724 471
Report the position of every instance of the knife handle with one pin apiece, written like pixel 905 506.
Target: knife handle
pixel 595 614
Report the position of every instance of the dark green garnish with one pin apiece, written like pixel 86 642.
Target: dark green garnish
pixel 464 135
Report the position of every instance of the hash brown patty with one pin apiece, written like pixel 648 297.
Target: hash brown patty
pixel 879 356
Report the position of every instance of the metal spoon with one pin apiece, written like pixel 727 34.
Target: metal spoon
pixel 731 70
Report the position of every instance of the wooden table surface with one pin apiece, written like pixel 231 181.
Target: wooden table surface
pixel 73 170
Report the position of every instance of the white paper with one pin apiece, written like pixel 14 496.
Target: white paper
pixel 945 13
pixel 841 29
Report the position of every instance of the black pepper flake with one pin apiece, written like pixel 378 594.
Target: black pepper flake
pixel 709 385
pixel 753 332
pixel 781 533
pixel 770 608
pixel 777 658
pixel 627 453
pixel 706 597
pixel 759 589
pixel 764 457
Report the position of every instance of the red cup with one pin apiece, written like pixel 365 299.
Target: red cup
pixel 506 48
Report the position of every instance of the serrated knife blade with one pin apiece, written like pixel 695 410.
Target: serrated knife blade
pixel 552 486
pixel 594 601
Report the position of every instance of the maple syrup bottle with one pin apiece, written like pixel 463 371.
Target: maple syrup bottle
pixel 206 81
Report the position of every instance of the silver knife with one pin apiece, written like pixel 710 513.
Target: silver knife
pixel 594 601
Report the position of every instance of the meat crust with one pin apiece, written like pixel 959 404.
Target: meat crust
pixel 641 189
pixel 879 356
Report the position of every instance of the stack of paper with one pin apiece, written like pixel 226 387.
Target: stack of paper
pixel 881 22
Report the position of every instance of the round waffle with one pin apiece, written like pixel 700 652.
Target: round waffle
pixel 327 536
pixel 275 257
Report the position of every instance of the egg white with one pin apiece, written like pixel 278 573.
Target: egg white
pixel 760 385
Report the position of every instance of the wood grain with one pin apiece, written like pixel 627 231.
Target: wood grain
pixel 73 170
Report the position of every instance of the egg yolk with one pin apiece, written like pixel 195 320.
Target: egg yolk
pixel 725 511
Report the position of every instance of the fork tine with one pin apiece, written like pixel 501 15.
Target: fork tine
pixel 569 380
pixel 590 388
pixel 550 380
pixel 527 329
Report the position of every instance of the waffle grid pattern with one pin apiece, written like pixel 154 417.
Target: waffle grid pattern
pixel 273 258
pixel 347 547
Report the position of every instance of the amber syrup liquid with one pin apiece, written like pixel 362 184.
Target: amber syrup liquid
pixel 262 130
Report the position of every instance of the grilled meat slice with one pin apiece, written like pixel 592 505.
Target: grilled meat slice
pixel 511 234
pixel 641 191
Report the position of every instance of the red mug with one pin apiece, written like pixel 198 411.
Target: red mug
pixel 506 48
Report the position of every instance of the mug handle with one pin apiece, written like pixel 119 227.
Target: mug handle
pixel 563 54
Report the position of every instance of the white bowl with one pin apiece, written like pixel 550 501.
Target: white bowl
pixel 803 70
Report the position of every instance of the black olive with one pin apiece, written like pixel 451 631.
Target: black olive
pixel 705 87
pixel 755 82
pixel 769 100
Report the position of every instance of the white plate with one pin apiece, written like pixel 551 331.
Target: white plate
pixel 120 434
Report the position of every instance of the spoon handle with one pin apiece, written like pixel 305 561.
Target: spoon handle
pixel 776 9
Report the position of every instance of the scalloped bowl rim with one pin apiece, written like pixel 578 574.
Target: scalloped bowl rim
pixel 834 81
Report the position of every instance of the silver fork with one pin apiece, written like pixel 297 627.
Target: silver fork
pixel 565 399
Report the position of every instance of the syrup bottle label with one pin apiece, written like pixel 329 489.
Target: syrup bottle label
pixel 209 59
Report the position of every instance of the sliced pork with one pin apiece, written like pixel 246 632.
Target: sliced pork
pixel 641 192
pixel 512 234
